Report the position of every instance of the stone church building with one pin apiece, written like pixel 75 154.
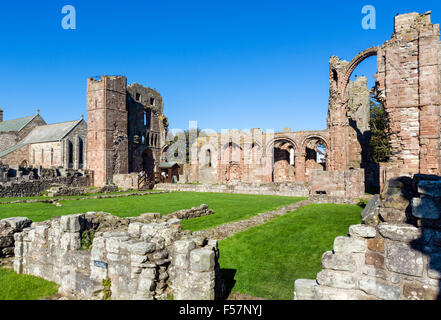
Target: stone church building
pixel 126 133
pixel 30 141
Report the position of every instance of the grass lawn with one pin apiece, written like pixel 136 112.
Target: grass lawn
pixel 227 207
pixel 266 260
pixel 24 287
pixel 10 199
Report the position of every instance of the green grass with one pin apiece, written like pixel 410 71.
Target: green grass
pixel 10 199
pixel 24 287
pixel 266 260
pixel 227 207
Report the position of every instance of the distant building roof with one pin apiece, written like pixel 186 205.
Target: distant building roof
pixel 16 124
pixel 168 165
pixel 47 133
pixel 50 132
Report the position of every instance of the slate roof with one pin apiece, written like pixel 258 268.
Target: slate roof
pixel 167 165
pixel 48 133
pixel 15 125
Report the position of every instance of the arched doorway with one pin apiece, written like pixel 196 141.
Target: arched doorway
pixel 315 155
pixel 284 161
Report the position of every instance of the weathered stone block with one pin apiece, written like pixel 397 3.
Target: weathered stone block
pixel 370 212
pixel 13 225
pixel 202 260
pixel 149 273
pixel 349 245
pixel 363 231
pixel 402 258
pixel 141 248
pixel 339 262
pixel 374 272
pixel 399 231
pixel 337 279
pixel 184 246
pixel 430 188
pixel 146 284
pixel 304 289
pixel 426 208
pixel 434 265
pixel 135 229
pixel 392 215
pixel 376 244
pixel 375 259
pixel 71 223
pixel 327 293
pixel 417 291
pixel 379 289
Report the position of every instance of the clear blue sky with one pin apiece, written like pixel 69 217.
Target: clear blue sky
pixel 227 64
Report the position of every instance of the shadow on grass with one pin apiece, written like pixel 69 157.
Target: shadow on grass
pixel 229 282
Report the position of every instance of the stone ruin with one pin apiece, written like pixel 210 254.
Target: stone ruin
pixel 394 255
pixel 30 181
pixel 100 256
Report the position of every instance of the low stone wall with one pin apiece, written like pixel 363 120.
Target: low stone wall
pixel 345 184
pixel 9 227
pixel 334 200
pixel 394 255
pixel 131 258
pixel 34 188
pixel 126 181
pixel 277 189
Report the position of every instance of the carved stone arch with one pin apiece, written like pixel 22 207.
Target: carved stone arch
pixel 270 145
pixel 308 150
pixel 353 64
pixel 315 136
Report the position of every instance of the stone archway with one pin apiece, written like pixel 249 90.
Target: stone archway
pixel 284 161
pixel 373 51
pixel 316 151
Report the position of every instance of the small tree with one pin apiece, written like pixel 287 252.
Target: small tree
pixel 379 142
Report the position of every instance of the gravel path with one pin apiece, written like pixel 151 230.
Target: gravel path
pixel 227 230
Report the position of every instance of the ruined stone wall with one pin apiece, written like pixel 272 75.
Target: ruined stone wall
pixel 132 258
pixel 126 181
pixel 359 116
pixel 348 183
pixel 33 188
pixel 107 141
pixel 409 84
pixel 9 227
pixel 295 189
pixel 256 157
pixel 394 255
pixel 148 127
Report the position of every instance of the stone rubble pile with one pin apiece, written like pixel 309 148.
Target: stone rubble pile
pixel 100 256
pixel 394 255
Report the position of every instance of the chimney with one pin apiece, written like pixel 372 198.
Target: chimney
pixel 1 115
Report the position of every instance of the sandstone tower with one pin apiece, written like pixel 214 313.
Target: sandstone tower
pixel 107 128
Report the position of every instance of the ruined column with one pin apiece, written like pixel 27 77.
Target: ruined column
pixel 300 166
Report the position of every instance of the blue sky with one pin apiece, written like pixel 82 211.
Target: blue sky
pixel 227 64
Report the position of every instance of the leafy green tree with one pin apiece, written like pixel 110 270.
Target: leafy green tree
pixel 379 143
